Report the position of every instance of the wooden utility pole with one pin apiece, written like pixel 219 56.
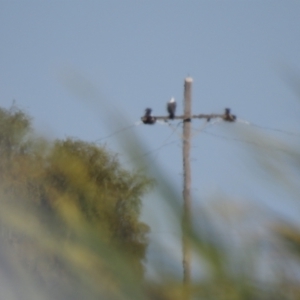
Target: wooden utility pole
pixel 186 220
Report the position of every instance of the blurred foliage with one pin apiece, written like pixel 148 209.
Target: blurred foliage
pixel 68 207
pixel 70 227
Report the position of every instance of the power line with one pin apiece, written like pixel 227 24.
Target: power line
pixel 154 150
pixel 275 129
pixel 174 129
pixel 203 129
pixel 115 133
pixel 230 138
pixel 205 126
pixel 238 140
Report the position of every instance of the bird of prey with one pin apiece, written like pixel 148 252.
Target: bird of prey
pixel 171 108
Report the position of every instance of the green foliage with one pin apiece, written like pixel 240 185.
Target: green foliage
pixel 68 207
pixel 107 195
pixel 15 126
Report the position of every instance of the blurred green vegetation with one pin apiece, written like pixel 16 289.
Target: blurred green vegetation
pixel 69 214
pixel 70 228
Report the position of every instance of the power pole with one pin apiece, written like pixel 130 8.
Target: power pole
pixel 187 118
pixel 186 220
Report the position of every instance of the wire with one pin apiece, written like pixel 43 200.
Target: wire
pixel 174 130
pixel 165 143
pixel 274 129
pixel 115 133
pixel 230 138
pixel 131 126
pixel 157 149
pixel 206 125
pixel 203 128
pixel 267 128
pixel 238 140
pixel 150 152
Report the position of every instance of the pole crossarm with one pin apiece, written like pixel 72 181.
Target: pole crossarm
pixel 226 116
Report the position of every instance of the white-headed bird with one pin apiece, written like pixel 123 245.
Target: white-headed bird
pixel 171 108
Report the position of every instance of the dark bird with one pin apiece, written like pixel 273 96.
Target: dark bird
pixel 147 118
pixel 228 116
pixel 171 108
pixel 148 112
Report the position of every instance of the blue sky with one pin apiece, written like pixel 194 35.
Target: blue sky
pixel 137 54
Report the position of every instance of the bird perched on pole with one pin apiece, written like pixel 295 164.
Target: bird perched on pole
pixel 171 108
pixel 147 118
pixel 228 116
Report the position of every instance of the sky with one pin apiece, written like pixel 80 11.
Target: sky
pixel 137 54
